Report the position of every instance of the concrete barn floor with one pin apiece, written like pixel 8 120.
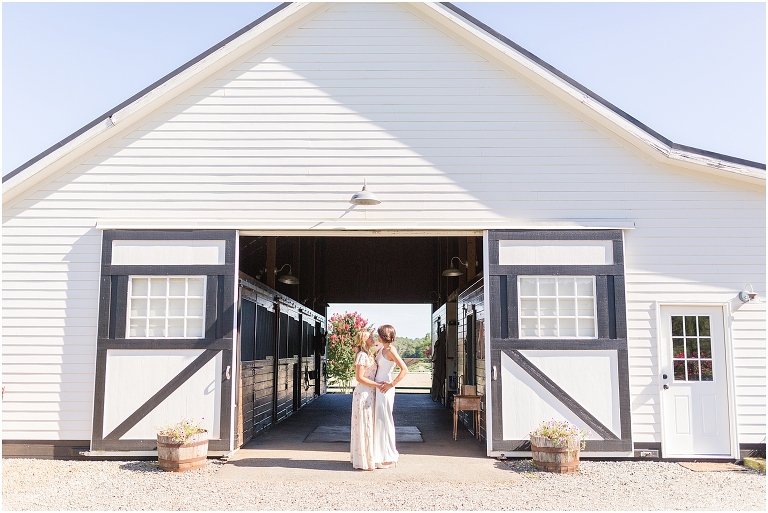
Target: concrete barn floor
pixel 282 453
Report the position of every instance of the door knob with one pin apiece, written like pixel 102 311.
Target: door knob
pixel 666 387
pixel 494 374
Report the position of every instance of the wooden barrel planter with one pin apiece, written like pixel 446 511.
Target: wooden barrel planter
pixel 562 460
pixel 180 457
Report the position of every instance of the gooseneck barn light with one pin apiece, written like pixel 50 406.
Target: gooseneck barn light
pixel 364 197
pixel 748 294
pixel 453 271
pixel 288 279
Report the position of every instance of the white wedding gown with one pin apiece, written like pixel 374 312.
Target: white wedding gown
pixel 384 425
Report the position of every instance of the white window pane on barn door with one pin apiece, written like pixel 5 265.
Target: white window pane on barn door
pixel 166 307
pixel 557 307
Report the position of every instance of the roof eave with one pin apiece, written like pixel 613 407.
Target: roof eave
pixel 596 108
pixel 102 128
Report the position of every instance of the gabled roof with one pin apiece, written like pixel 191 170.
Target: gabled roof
pixel 597 97
pixel 453 18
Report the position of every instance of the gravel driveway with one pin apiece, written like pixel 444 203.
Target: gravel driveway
pixel 101 485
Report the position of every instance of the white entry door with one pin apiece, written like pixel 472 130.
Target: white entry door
pixel 695 407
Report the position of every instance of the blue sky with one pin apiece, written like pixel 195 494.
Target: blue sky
pixel 694 72
pixel 411 321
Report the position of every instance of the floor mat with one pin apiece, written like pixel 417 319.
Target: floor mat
pixel 712 467
pixel 342 434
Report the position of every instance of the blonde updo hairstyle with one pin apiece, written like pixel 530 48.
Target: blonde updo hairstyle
pixel 360 341
pixel 387 333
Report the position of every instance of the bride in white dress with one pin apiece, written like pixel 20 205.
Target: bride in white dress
pixel 384 451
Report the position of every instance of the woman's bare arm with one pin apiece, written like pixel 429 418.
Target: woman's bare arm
pixel 359 371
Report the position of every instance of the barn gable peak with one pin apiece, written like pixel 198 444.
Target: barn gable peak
pixel 448 18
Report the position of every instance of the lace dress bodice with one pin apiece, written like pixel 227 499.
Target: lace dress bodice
pixel 368 361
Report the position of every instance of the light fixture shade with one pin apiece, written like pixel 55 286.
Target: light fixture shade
pixel 453 271
pixel 288 279
pixel 364 198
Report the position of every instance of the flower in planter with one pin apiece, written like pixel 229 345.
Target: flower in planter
pixel 183 431
pixel 561 433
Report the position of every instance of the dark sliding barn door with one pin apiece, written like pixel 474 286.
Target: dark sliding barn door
pixel 165 335
pixel 558 335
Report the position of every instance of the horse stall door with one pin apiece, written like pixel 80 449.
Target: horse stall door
pixel 558 336
pixel 289 341
pixel 165 337
pixel 246 379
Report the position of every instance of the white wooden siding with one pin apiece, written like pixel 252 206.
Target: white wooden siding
pixel 442 134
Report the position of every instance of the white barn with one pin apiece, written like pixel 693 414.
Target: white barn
pixel 604 261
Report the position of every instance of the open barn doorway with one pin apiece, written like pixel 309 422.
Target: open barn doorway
pixel 287 284
pixel 413 339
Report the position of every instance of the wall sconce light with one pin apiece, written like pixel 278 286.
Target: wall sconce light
pixel 288 279
pixel 747 295
pixel 453 271
pixel 364 197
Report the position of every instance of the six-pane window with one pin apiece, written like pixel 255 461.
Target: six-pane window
pixel 166 307
pixel 691 348
pixel 557 307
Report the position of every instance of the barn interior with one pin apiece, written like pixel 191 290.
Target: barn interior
pixel 286 285
pixel 362 269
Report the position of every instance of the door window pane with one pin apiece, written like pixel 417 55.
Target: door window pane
pixel 547 287
pixel 678 348
pixel 679 370
pixel 691 348
pixel 568 327
pixel 158 287
pixel 557 307
pixel 691 356
pixel 529 307
pixel 677 326
pixel 528 287
pixel 690 326
pixel 567 306
pixel 177 287
pixel 693 370
pixel 166 307
pixel 528 328
pixel 703 326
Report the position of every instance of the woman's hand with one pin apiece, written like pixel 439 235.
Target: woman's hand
pixel 383 387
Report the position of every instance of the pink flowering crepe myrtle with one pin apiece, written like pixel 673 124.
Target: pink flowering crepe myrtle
pixel 341 346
